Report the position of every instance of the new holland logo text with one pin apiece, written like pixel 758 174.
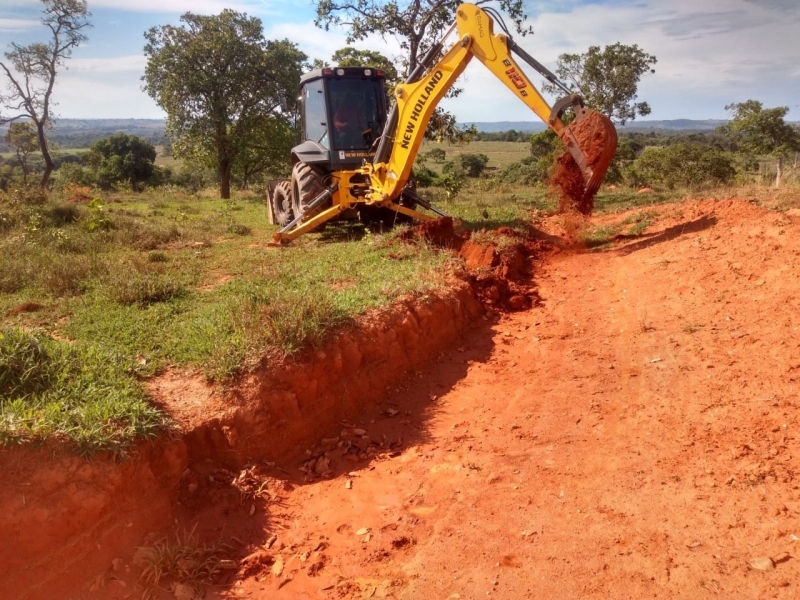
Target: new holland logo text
pixel 416 113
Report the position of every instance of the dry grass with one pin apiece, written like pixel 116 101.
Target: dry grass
pixel 183 560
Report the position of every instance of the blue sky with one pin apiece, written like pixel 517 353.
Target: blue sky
pixel 710 52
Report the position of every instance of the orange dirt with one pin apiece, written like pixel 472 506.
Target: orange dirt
pixel 567 179
pixel 500 278
pixel 634 435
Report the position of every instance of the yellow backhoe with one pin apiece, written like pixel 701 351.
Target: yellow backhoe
pixel 355 158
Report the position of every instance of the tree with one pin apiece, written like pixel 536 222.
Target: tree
pixel 266 151
pixel 218 80
pixel 124 157
pixel 608 79
pixel 31 70
pixel 352 57
pixel 417 25
pixel 22 137
pixel 762 130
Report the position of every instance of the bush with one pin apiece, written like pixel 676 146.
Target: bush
pixel 72 174
pixel 424 176
pixel 453 178
pixel 124 158
pixel 682 165
pixel 528 171
pixel 473 164
pixel 436 155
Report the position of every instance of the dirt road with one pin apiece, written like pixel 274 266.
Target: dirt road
pixel 633 436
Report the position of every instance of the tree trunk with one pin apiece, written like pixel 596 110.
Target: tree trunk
pixel 779 173
pixel 48 160
pixel 224 173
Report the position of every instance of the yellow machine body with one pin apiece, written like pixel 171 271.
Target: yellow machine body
pixel 416 103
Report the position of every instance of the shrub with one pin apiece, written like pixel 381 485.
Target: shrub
pixel 473 164
pixel 436 155
pixel 528 171
pixel 124 158
pixel 682 165
pixel 424 176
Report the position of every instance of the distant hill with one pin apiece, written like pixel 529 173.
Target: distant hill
pixel 536 126
pixel 82 133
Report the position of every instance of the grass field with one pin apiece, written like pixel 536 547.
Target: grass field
pixel 95 298
pixel 145 281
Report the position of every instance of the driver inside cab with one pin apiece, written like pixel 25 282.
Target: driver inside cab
pixel 349 123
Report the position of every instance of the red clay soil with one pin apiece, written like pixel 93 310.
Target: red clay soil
pixel 437 232
pixel 567 182
pixel 634 435
pixel 500 278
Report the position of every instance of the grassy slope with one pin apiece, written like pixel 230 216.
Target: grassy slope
pixel 172 279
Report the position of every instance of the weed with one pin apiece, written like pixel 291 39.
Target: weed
pixel 639 222
pixel 600 236
pixel 157 257
pixel 238 229
pixel 183 560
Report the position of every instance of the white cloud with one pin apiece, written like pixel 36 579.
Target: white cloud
pixel 18 24
pixel 121 64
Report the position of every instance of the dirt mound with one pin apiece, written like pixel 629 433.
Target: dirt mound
pixel 498 267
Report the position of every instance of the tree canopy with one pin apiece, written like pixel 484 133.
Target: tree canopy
pixel 608 79
pixel 219 80
pixel 31 70
pixel 124 157
pixel 417 25
pixel 22 137
pixel 760 130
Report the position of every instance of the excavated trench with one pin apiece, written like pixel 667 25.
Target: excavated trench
pixel 65 518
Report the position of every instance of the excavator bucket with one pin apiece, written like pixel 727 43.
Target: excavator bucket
pixel 591 139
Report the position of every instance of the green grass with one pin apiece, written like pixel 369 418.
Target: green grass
pixel 140 282
pixel 76 392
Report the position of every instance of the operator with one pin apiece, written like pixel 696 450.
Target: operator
pixel 349 122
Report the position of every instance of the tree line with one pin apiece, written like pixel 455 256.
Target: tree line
pixel 230 94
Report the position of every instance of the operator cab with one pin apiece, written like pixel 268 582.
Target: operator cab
pixel 343 112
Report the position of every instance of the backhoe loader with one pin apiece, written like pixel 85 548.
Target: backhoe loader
pixel 356 157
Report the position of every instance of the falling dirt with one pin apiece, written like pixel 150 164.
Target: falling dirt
pixel 593 136
pixel 567 182
pixel 633 435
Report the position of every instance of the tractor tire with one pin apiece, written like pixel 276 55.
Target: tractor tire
pixel 306 185
pixel 281 202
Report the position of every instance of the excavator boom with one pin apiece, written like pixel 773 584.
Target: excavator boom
pixel 591 137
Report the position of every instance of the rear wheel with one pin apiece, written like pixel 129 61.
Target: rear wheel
pixel 282 203
pixel 306 185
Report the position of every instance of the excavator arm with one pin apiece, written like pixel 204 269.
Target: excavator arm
pixel 591 137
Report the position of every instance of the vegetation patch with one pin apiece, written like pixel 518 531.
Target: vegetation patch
pixel 75 392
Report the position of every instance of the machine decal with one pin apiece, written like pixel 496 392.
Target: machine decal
pixel 405 143
pixel 356 154
pixel 516 78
